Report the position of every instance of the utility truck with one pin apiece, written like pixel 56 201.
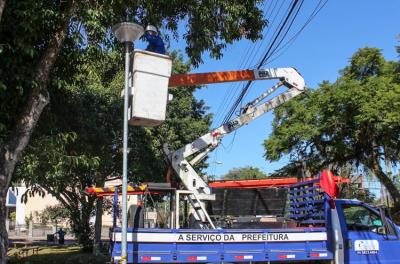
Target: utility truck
pixel 327 231
pixel 318 229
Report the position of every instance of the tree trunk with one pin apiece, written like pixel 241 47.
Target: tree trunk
pixel 81 224
pixel 3 229
pixel 11 150
pixel 2 5
pixel 386 198
pixel 97 226
pixel 387 182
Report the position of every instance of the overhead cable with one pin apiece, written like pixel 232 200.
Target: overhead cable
pixel 247 86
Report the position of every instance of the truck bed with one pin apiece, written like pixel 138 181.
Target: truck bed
pixel 222 245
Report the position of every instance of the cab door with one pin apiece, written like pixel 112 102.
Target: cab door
pixel 365 237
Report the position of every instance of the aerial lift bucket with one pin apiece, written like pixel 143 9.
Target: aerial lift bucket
pixel 151 72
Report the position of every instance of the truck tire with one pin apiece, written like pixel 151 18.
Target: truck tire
pixel 135 216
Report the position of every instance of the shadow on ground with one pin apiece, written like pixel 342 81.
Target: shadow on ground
pixel 57 255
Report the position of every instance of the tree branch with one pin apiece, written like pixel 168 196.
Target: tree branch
pixel 374 165
pixel 2 5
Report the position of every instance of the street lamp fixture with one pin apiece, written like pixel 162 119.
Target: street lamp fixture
pixel 126 33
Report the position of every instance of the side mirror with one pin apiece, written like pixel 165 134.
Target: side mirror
pixel 381 230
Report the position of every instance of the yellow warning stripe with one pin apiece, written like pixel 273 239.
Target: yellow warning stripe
pixel 130 188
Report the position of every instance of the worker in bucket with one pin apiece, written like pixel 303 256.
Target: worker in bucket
pixel 156 44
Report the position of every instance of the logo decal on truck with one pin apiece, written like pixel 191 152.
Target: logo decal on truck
pixel 366 247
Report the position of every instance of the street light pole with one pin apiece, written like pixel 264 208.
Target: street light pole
pixel 125 158
pixel 126 33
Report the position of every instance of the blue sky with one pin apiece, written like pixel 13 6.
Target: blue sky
pixel 320 51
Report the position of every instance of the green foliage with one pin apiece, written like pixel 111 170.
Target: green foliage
pixel 77 143
pixel 28 219
pixel 245 173
pixel 27 27
pixel 351 191
pixel 13 216
pixel 352 121
pixel 51 165
pixel 74 144
pixel 365 63
pixel 66 254
pixel 78 139
pixel 53 214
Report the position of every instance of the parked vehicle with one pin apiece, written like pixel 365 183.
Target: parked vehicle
pixel 328 231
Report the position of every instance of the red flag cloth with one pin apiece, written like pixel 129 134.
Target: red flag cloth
pixel 328 184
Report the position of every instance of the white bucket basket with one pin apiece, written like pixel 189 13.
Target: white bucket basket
pixel 151 72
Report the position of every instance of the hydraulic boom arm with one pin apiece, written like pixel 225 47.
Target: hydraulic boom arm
pixel 288 77
pixel 183 168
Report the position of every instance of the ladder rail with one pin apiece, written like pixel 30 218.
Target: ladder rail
pixel 200 213
pixel 204 211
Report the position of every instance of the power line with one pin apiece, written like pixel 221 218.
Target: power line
pixel 317 9
pixel 271 26
pixel 288 16
pixel 247 86
pixel 285 34
pixel 232 90
pixel 272 50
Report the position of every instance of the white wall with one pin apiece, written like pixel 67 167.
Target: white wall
pixel 20 207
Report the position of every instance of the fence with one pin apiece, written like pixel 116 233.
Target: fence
pixel 31 231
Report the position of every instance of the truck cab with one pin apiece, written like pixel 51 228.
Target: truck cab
pixel 364 234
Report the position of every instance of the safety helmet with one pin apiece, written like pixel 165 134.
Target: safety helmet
pixel 151 28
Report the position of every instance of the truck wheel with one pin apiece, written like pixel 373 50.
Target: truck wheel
pixel 135 216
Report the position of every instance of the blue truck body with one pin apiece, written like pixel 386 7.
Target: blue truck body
pixel 224 245
pixel 329 231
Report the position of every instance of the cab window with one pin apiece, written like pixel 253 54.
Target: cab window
pixel 360 218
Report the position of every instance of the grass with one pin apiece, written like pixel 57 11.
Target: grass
pixel 58 255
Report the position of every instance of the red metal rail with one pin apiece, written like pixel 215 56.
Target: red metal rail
pixel 227 184
pixel 210 77
pixel 264 183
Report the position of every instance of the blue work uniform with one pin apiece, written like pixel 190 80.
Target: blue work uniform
pixel 156 44
pixel 61 235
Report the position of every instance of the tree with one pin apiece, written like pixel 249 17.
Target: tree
pixel 245 173
pixel 77 143
pixel 53 214
pixel 352 191
pixel 34 33
pixel 355 120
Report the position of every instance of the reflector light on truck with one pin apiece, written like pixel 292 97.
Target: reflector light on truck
pixel 321 255
pixel 196 258
pixel 240 257
pixel 292 256
pixel 150 258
